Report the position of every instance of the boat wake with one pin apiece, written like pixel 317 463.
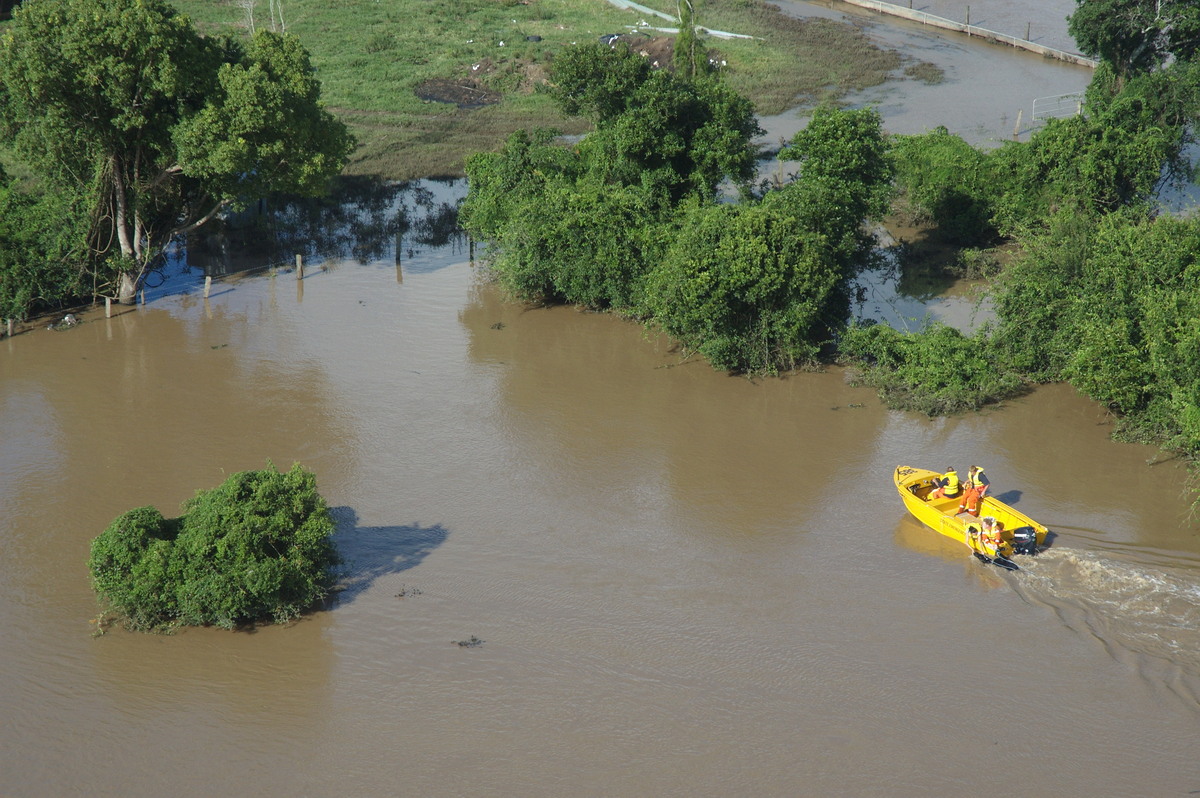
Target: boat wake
pixel 1146 615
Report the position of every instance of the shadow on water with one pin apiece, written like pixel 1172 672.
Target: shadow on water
pixel 370 552
pixel 362 220
pixel 908 284
pixel 1010 497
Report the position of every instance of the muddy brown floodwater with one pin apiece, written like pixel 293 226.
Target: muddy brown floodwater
pixel 686 583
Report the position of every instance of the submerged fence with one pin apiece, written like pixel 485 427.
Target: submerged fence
pixel 971 30
pixel 1059 105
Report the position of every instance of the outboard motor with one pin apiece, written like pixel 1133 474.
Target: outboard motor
pixel 1024 540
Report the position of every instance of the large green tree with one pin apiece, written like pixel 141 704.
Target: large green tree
pixel 163 128
pixel 584 223
pixel 750 287
pixel 629 219
pixel 845 178
pixel 1137 35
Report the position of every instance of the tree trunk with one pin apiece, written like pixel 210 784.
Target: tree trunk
pixel 122 211
pixel 127 289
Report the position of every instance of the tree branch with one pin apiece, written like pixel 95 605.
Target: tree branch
pixel 200 222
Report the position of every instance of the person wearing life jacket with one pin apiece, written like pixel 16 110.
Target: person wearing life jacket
pixel 976 486
pixel 973 538
pixel 948 486
pixel 992 538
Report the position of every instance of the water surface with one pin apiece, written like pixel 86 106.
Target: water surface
pixel 686 583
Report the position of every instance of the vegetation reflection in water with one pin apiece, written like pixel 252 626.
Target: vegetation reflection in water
pixel 364 220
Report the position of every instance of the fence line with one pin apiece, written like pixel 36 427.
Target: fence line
pixel 1059 105
pixel 971 30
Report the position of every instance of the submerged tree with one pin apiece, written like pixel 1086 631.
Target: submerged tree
pixel 163 128
pixel 258 546
pixel 630 220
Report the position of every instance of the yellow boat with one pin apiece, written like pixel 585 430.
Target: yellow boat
pixel 1021 534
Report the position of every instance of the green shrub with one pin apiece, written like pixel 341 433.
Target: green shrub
pixel 1111 305
pixel 42 246
pixel 587 244
pixel 937 371
pixel 131 563
pixel 258 546
pixel 748 287
pixel 947 182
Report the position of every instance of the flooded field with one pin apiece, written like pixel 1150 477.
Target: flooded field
pixel 685 583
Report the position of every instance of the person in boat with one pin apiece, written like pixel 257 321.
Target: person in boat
pixel 992 537
pixel 948 486
pixel 973 491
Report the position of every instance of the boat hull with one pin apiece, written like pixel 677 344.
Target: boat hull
pixel 941 515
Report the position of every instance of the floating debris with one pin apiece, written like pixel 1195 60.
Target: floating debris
pixel 470 642
pixel 405 592
pixel 67 321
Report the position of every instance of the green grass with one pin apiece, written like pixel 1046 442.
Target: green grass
pixel 371 54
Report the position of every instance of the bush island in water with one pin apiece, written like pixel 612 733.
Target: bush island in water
pixel 258 546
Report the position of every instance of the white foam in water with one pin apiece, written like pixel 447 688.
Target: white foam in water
pixel 1145 610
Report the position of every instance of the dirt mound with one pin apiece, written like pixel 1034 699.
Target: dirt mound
pixel 470 92
pixel 658 50
pixel 463 92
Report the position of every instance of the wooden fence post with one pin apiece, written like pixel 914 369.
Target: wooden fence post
pixel 1017 127
pixel 299 266
pixel 108 307
pixel 207 285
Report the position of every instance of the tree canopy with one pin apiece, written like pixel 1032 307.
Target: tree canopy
pixel 258 546
pixel 629 220
pixel 162 128
pixel 1136 35
pixel 670 134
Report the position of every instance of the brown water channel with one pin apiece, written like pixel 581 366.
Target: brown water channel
pixel 687 583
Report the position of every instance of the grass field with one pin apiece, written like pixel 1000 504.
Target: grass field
pixel 371 55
